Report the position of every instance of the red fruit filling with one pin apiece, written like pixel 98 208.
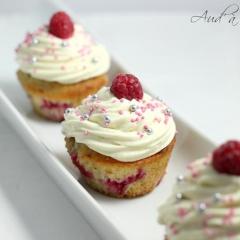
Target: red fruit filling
pixel 53 110
pixel 54 105
pixel 119 187
pixel 81 168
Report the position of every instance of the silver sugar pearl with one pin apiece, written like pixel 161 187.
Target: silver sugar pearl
pixel 85 116
pixel 179 196
pixel 35 41
pixel 68 110
pixel 217 197
pixel 107 119
pixel 168 112
pixel 94 97
pixel 159 99
pixel 64 44
pixel 133 108
pixel 94 60
pixel 180 178
pixel 148 130
pixel 33 59
pixel 201 207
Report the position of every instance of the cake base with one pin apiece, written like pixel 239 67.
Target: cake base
pixel 50 99
pixel 115 178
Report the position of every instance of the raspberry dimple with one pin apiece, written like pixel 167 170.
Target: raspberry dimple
pixel 226 158
pixel 127 86
pixel 61 25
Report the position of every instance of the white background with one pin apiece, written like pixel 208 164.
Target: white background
pixel 194 67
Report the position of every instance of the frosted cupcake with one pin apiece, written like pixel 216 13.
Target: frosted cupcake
pixel 205 204
pixel 59 65
pixel 120 139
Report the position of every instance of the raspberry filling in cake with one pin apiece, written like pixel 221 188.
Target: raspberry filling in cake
pixel 53 110
pixel 119 187
pixel 81 168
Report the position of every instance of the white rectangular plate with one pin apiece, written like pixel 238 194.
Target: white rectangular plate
pixel 111 218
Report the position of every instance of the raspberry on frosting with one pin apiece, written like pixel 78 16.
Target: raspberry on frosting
pixel 127 86
pixel 226 158
pixel 61 25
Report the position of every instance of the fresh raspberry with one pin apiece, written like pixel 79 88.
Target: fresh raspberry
pixel 127 86
pixel 226 158
pixel 61 25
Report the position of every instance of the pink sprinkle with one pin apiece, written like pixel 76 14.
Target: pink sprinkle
pixel 207 161
pixel 173 229
pixel 103 110
pixel 84 50
pixel 229 200
pixel 232 235
pixel 143 109
pixel 28 38
pixel 122 100
pixel 181 212
pixel 206 219
pixel 189 166
pixel 86 132
pixel 120 112
pixel 134 119
pixel 209 232
pixel 140 134
pixel 166 119
pixel 228 218
pixel 78 113
pixel 114 101
pixel 195 174
pixel 63 68
pixel 156 105
pixel 17 49
pixel 138 113
pixel 156 119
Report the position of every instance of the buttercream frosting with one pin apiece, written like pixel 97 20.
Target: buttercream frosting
pixel 204 205
pixel 49 58
pixel 124 130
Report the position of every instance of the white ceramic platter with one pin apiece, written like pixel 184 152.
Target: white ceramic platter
pixel 111 218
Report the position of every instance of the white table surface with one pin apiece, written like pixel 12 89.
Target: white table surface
pixel 194 67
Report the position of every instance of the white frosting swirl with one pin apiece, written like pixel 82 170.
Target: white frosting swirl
pixel 219 193
pixel 114 130
pixel 50 58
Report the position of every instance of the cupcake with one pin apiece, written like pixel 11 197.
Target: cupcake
pixel 120 139
pixel 205 204
pixel 59 65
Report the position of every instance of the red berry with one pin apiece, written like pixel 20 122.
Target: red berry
pixel 226 158
pixel 126 86
pixel 61 25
